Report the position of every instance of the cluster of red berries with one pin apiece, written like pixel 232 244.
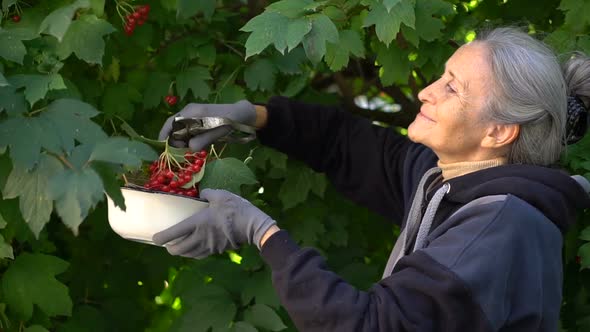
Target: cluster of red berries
pixel 138 17
pixel 172 180
pixel 171 100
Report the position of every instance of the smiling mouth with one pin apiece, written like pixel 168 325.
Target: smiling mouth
pixel 425 117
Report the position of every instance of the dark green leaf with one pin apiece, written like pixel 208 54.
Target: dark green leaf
pixel 11 46
pixel 208 306
pixel 119 99
pixel 264 317
pixel 30 280
pixel 3 81
pixel 231 93
pixel 242 327
pixel 97 7
pixel 31 188
pixel 387 23
pixel 260 75
pixel 111 184
pixel 295 86
pixel 394 63
pixel 227 173
pixel 577 14
pixel 188 8
pixel 194 79
pixel 11 101
pixel 121 150
pixel 297 185
pixel 262 155
pixel 36 328
pixel 584 253
pixel 296 31
pixel 85 39
pixel 7 3
pixel 58 22
pixel 585 234
pixel 323 30
pixel 36 86
pixel 75 193
pixel 157 87
pixel 428 26
pixel 337 54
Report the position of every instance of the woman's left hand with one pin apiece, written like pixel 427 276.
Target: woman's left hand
pixel 227 223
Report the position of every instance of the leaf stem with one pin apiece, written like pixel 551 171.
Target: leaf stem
pixel 62 159
pixel 37 111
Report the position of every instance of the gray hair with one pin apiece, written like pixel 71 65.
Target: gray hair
pixel 530 88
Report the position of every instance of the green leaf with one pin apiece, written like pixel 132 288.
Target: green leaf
pixel 121 150
pixel 75 193
pixel 267 28
pixel 296 31
pixel 11 101
pixel 109 180
pixel 387 23
pixel 208 306
pixel 3 81
pixel 297 185
pixel 584 253
pixel 242 327
pixel 119 99
pixel 36 328
pixel 576 14
pixel 37 86
pixel 231 93
pixel 395 67
pixel 194 79
pixel 85 39
pixel 264 317
pixel 309 230
pixel 58 22
pixel 189 8
pixel 337 55
pixel 97 7
pixel 263 155
pixel 428 26
pixel 5 249
pixel 289 8
pixel 11 46
pixel 7 3
pixel 227 173
pixel 30 280
pixel 389 4
pixel 31 188
pixel 260 75
pixel 585 234
pixel 323 30
pixel 295 86
pixel 156 89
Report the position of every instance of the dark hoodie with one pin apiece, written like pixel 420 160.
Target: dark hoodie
pixel 493 266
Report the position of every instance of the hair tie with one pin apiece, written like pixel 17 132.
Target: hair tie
pixel 577 120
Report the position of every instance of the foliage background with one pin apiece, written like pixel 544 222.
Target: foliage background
pixel 70 78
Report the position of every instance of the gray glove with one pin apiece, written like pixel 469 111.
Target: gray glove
pixel 242 112
pixel 228 222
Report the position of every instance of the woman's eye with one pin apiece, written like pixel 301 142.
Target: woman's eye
pixel 450 89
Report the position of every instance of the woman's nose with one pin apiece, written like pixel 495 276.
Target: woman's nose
pixel 426 94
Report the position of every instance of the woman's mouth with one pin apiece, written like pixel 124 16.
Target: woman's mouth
pixel 425 117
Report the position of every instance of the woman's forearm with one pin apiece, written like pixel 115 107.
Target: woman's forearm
pixel 261 116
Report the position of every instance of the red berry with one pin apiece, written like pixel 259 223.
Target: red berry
pixel 199 162
pixel 187 177
pixel 16 18
pixel 141 21
pixel 161 179
pixel 171 100
pixel 144 10
pixel 202 154
pixel 196 168
pixel 165 188
pixel 136 15
pixel 131 21
pixel 173 184
pixel 170 174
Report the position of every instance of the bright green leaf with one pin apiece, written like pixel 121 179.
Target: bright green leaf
pixel 389 4
pixel 577 14
pixel 323 30
pixel 337 55
pixel 395 67
pixel 30 280
pixel 267 28
pixel 194 79
pixel 5 249
pixel 289 8
pixel 264 317
pixel 97 7
pixel 260 75
pixel 75 192
pixel 189 8
pixel 157 87
pixel 31 188
pixel 85 39
pixel 296 30
pixel 428 26
pixel 387 23
pixel 37 86
pixel 58 22
pixel 227 173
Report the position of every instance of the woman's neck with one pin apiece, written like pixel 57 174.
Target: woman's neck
pixel 453 170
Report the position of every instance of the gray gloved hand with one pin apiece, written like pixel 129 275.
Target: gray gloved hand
pixel 242 112
pixel 228 222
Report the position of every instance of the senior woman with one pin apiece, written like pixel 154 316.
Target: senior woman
pixel 483 213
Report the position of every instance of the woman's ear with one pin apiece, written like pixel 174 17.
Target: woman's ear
pixel 500 135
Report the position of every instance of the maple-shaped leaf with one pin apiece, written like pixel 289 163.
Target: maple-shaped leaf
pixel 323 31
pixel 85 39
pixel 387 23
pixel 264 317
pixel 11 45
pixel 207 306
pixel 189 8
pixel 58 22
pixel 31 189
pixel 193 79
pixel 37 86
pixel 290 8
pixel 299 182
pixel 395 67
pixel 228 174
pixel 30 280
pixel 260 75
pixel 428 26
pixel 266 29
pixel 337 55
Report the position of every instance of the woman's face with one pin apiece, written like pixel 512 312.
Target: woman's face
pixel 450 119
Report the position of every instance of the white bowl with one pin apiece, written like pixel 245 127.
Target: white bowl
pixel 149 212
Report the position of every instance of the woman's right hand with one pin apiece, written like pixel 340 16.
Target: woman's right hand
pixel 242 112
